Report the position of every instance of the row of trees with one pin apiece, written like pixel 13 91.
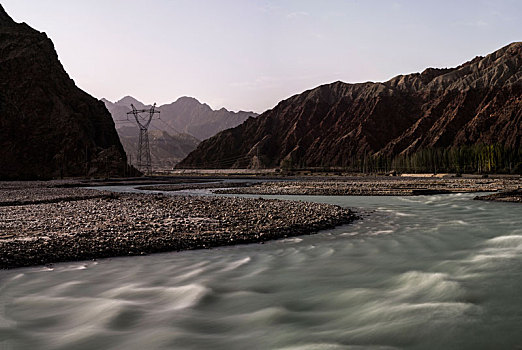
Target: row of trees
pixel 481 158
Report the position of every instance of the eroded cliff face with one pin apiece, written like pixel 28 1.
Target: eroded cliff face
pixel 477 102
pixel 48 126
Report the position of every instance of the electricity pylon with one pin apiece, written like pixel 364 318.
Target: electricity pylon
pixel 144 163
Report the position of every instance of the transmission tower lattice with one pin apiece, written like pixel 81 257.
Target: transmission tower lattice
pixel 143 160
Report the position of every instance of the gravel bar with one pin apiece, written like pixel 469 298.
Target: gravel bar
pixel 20 193
pixel 137 224
pixel 195 186
pixel 377 187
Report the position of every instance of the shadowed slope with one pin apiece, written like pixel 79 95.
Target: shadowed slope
pixel 49 127
pixel 334 124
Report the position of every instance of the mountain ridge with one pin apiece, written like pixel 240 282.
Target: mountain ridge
pixel 182 120
pixel 185 115
pixel 333 124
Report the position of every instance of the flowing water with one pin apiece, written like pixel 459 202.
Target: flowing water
pixel 428 272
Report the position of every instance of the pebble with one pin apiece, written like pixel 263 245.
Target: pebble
pixel 134 224
pixel 384 186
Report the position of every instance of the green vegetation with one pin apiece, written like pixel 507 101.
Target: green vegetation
pixel 476 159
pixel 482 159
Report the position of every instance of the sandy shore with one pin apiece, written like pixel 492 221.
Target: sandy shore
pixel 108 225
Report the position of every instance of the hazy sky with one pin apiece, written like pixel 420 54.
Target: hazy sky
pixel 242 54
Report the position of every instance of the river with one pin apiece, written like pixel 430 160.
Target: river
pixel 426 272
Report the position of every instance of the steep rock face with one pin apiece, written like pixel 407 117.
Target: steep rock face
pixel 49 127
pixel 331 125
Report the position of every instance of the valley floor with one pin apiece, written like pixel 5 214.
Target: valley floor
pixel 47 222
pixel 378 186
pixel 41 225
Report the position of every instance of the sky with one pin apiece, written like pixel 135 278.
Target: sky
pixel 251 54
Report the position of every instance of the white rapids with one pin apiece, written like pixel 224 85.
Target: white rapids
pixel 427 272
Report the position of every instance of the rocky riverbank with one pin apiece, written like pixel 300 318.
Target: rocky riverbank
pixel 194 186
pixel 39 192
pixel 136 224
pixel 46 222
pixel 375 186
pixel 514 196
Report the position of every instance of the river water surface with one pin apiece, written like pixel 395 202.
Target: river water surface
pixel 427 272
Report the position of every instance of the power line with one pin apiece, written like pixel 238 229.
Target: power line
pixel 169 126
pixel 144 162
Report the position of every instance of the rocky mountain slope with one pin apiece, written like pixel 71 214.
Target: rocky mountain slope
pixel 478 102
pixel 186 115
pixel 49 127
pixel 181 126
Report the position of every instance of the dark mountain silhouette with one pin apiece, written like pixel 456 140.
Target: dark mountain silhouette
pixel 49 127
pixel 181 126
pixel 479 102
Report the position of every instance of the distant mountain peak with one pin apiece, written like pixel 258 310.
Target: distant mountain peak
pixel 181 126
pixel 128 100
pixel 188 99
pixel 191 102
